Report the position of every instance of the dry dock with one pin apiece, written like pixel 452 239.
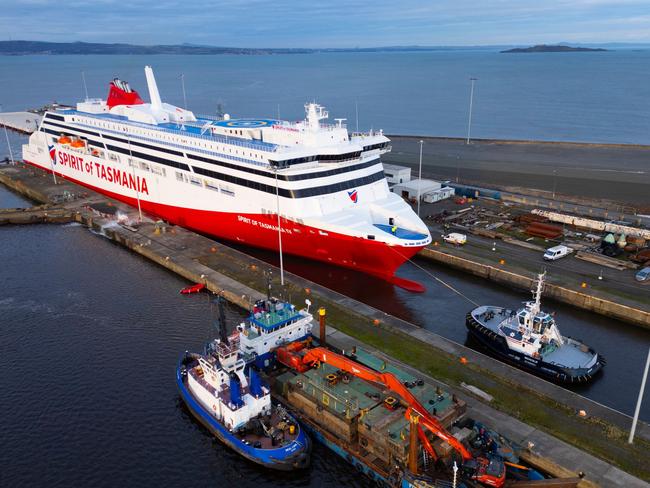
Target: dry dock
pixel 525 408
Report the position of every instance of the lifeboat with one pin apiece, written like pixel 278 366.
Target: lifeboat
pixel 193 289
pixel 64 140
pixel 78 143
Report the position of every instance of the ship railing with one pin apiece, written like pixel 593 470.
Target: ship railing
pixel 179 146
pixel 260 145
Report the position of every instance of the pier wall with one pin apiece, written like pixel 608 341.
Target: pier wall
pixel 575 298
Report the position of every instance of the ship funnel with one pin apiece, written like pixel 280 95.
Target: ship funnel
pixel 235 392
pixel 154 95
pixel 255 384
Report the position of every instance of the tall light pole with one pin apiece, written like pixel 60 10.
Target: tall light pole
pixel 277 202
pixel 11 155
pixel 639 400
pixel 554 181
pixel 420 177
pixel 471 101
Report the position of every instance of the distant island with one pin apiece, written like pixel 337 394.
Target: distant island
pixel 546 48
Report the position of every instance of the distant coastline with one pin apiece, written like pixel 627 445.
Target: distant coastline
pixel 545 48
pixel 25 47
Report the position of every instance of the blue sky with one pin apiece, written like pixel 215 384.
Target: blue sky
pixel 335 23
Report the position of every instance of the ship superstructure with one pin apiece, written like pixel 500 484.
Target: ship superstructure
pixel 231 178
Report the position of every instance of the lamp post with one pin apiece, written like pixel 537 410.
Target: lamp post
pixel 471 101
pixel 420 177
pixel 554 181
pixel 11 155
pixel 639 400
pixel 277 201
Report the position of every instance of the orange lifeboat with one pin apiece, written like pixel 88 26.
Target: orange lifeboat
pixel 64 140
pixel 77 143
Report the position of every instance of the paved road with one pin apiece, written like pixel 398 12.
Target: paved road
pixel 568 270
pixel 595 171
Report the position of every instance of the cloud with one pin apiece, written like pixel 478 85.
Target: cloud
pixel 336 23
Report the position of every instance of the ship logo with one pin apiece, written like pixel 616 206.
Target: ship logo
pixel 353 195
pixel 52 150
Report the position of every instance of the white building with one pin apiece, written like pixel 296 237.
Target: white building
pixel 430 191
pixel 409 189
pixel 437 195
pixel 396 174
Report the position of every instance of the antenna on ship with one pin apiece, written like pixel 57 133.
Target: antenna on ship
pixel 183 87
pixel 220 320
pixel 356 112
pixel 83 79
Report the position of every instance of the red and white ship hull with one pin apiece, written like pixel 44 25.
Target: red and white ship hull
pixel 231 178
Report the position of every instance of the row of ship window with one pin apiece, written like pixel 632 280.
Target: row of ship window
pixel 280 164
pixel 289 193
pixel 160 135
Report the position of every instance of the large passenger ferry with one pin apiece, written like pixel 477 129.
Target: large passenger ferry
pixel 232 178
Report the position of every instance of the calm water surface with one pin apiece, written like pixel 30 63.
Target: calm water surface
pixel 601 97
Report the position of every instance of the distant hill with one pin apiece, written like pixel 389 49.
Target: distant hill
pixel 39 47
pixel 557 48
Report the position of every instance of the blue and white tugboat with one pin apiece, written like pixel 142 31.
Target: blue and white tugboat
pixel 236 407
pixel 530 339
pixel 271 324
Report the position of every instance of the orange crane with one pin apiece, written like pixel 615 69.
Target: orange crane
pixel 290 356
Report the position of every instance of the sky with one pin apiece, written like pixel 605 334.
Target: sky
pixel 333 23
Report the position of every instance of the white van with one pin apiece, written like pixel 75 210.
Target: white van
pixel 455 238
pixel 557 252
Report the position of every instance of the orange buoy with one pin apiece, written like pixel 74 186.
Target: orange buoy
pixel 463 360
pixel 307 291
pixel 64 140
pixel 253 267
pixel 213 249
pixel 583 285
pixel 77 143
pixel 376 321
pixel 502 261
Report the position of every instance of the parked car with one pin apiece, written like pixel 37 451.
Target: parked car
pixel 643 275
pixel 455 238
pixel 557 252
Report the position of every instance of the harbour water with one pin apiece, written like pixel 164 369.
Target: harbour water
pixel 90 338
pixel 597 97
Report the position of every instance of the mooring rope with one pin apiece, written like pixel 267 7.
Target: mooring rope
pixel 442 282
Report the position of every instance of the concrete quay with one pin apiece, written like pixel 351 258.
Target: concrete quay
pixel 518 278
pixel 614 175
pixel 24 122
pixel 523 405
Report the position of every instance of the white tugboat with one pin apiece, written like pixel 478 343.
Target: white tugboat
pixel 236 407
pixel 529 338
